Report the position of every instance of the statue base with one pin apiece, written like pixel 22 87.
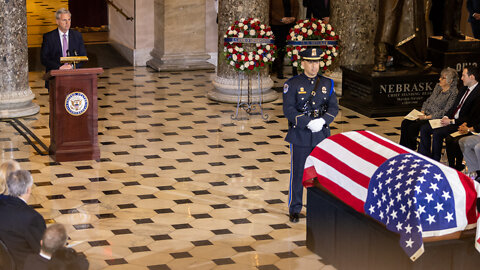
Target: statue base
pixel 453 53
pixel 394 92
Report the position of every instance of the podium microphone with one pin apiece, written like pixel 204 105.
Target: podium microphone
pixel 68 53
pixel 75 52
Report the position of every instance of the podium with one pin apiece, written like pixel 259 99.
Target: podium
pixel 74 114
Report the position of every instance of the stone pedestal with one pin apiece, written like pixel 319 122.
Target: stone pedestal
pixel 179 36
pixel 15 94
pixel 225 80
pixel 454 53
pixel 395 92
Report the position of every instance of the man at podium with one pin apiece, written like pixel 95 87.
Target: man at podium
pixel 61 42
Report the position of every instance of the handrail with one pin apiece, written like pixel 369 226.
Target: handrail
pixel 110 2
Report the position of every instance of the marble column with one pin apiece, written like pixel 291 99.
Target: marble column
pixel 179 36
pixel 225 80
pixel 355 21
pixel 15 94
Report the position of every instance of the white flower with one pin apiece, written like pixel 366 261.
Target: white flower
pixel 262 26
pixel 309 32
pixel 250 57
pixel 262 32
pixel 225 49
pixel 304 30
pixel 245 27
pixel 267 47
pixel 335 54
pixel 241 67
pixel 247 64
pixel 269 33
pixel 252 32
pixel 329 27
pixel 305 21
pixel 232 63
pixel 273 59
pixel 226 35
pixel 329 58
pixel 314 26
pixel 295 64
pixel 235 32
pixel 300 24
pixel 251 63
pixel 329 62
pixel 242 57
pixel 257 57
pixel 322 64
pixel 240 35
pixel 234 57
pixel 296 26
pixel 260 51
pixel 269 56
pixel 230 50
pixel 292 34
pixel 242 20
pixel 323 30
pixel 333 49
pixel 240 49
pixel 240 25
pixel 265 59
pixel 295 51
pixel 328 52
pixel 300 38
pixel 332 33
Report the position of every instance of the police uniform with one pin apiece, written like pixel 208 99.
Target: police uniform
pixel 305 99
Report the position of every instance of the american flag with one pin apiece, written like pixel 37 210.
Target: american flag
pixel 412 195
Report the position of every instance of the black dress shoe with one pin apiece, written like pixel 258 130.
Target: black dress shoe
pixel 294 218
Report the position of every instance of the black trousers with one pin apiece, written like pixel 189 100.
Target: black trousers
pixel 409 132
pixel 280 32
pixel 454 153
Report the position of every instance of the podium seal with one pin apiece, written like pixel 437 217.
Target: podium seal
pixel 76 103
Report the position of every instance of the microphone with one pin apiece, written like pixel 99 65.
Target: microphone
pixel 75 52
pixel 68 53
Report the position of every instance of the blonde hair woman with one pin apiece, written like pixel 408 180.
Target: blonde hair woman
pixel 5 169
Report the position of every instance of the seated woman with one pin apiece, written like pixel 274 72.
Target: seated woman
pixel 435 107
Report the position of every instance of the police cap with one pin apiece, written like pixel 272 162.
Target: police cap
pixel 311 54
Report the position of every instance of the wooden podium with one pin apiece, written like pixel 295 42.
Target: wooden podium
pixel 74 114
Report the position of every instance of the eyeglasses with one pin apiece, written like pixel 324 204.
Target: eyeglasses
pixel 443 77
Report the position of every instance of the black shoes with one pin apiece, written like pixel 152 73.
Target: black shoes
pixel 294 217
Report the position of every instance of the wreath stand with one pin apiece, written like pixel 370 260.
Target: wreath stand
pixel 250 105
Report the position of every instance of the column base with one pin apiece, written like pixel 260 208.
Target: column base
pixel 180 62
pixel 226 90
pixel 14 106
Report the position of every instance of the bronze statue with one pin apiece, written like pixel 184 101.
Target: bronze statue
pixel 401 25
pixel 452 15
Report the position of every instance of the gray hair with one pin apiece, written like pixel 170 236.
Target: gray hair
pixel 18 182
pixel 62 11
pixel 55 237
pixel 451 76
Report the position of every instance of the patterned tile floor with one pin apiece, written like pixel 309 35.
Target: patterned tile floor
pixel 179 185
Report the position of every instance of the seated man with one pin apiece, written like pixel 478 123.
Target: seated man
pixel 52 252
pixel 461 112
pixel 471 151
pixel 21 227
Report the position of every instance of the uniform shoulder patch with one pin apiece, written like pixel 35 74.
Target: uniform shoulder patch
pixel 285 88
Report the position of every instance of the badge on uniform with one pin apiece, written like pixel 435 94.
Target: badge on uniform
pixel 285 88
pixel 302 91
pixel 324 90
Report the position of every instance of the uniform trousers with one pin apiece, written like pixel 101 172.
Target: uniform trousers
pixel 298 155
pixel 471 151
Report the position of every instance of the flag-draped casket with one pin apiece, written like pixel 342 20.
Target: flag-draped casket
pixel 410 194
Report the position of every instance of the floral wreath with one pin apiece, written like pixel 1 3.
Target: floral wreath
pixel 249 31
pixel 313 32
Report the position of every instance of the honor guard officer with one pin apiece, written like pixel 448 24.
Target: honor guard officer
pixel 310 105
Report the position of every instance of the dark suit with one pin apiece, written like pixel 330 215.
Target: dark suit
pixel 52 49
pixel 473 6
pixel 439 134
pixel 317 8
pixel 35 262
pixel 297 92
pixel 21 228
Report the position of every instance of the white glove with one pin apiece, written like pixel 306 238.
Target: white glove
pixel 316 125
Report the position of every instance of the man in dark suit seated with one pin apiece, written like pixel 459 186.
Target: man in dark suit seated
pixel 461 112
pixel 21 227
pixel 53 253
pixel 61 42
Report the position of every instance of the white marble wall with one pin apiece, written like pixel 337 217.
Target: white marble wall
pixel 133 39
